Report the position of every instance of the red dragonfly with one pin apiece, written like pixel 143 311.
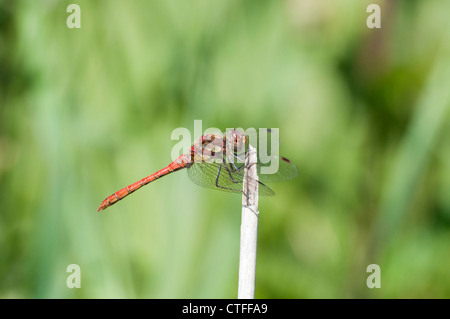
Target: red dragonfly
pixel 215 161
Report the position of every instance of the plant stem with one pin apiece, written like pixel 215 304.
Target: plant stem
pixel 249 228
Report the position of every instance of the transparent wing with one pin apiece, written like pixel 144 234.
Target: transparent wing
pixel 274 169
pixel 271 168
pixel 278 169
pixel 223 177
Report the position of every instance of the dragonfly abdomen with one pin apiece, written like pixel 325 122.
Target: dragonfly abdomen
pixel 176 165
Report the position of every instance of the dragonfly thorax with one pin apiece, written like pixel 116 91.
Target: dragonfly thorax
pixel 218 148
pixel 208 148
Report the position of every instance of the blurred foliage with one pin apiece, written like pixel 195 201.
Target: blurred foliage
pixel 362 112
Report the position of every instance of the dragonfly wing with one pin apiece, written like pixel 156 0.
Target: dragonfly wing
pixel 271 168
pixel 206 175
pixel 278 169
pixel 222 177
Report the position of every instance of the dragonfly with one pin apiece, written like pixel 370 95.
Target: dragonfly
pixel 217 161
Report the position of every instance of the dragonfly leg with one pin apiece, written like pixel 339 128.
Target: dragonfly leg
pixel 218 176
pixel 234 165
pixel 236 169
pixel 229 172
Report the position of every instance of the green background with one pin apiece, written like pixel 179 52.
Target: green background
pixel 363 113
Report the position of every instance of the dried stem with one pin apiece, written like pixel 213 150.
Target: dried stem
pixel 249 228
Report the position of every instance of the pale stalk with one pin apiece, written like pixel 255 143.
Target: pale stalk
pixel 249 228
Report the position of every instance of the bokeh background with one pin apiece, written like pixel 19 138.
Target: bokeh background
pixel 364 114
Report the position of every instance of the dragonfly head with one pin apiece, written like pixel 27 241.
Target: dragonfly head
pixel 237 141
